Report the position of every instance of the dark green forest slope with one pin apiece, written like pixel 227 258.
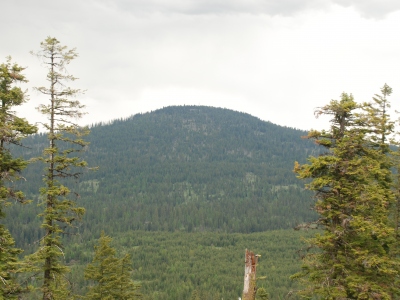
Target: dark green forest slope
pixel 182 168
pixel 181 188
pixel 176 265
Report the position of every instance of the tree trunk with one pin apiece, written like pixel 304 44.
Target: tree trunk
pixel 249 290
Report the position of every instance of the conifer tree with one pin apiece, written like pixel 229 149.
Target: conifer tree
pixel 65 140
pixel 381 135
pixel 380 130
pixel 102 270
pixel 9 266
pixel 352 199
pixel 110 275
pixel 12 130
pixel 127 289
pixel 378 118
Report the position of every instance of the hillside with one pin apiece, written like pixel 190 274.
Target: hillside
pixel 184 168
pixel 174 265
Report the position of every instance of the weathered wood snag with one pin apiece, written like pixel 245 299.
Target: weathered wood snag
pixel 249 289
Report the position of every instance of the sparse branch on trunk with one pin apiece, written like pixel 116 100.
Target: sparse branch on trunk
pixel 63 132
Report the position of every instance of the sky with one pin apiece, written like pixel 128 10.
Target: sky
pixel 277 60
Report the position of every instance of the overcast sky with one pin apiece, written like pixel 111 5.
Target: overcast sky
pixel 275 59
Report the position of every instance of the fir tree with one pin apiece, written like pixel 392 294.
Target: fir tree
pixel 352 200
pixel 65 140
pixel 127 289
pixel 12 130
pixel 378 118
pixel 9 266
pixel 380 128
pixel 110 275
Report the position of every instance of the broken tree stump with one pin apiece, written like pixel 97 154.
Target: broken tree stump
pixel 249 289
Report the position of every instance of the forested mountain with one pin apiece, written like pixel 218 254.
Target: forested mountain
pixel 187 168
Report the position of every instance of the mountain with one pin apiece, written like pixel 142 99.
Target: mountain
pixel 182 168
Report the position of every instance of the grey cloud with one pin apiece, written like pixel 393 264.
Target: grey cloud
pixel 367 8
pixel 200 7
pixel 67 10
pixel 372 8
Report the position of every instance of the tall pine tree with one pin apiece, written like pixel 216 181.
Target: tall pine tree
pixel 353 197
pixel 12 130
pixel 65 141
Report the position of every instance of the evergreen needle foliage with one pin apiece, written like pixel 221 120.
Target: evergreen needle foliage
pixel 352 181
pixel 65 139
pixel 12 130
pixel 111 276
pixel 262 294
pixel 195 168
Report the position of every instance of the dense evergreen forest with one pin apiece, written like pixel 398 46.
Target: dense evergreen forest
pixel 182 168
pixel 179 265
pixel 184 190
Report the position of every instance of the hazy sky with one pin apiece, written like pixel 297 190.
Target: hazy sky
pixel 275 59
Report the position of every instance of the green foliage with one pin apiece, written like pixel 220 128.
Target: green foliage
pixel 12 130
pixel 220 189
pixel 172 265
pixel 65 138
pixel 110 275
pixel 378 119
pixel 262 294
pixel 184 168
pixel 353 196
pixel 9 266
